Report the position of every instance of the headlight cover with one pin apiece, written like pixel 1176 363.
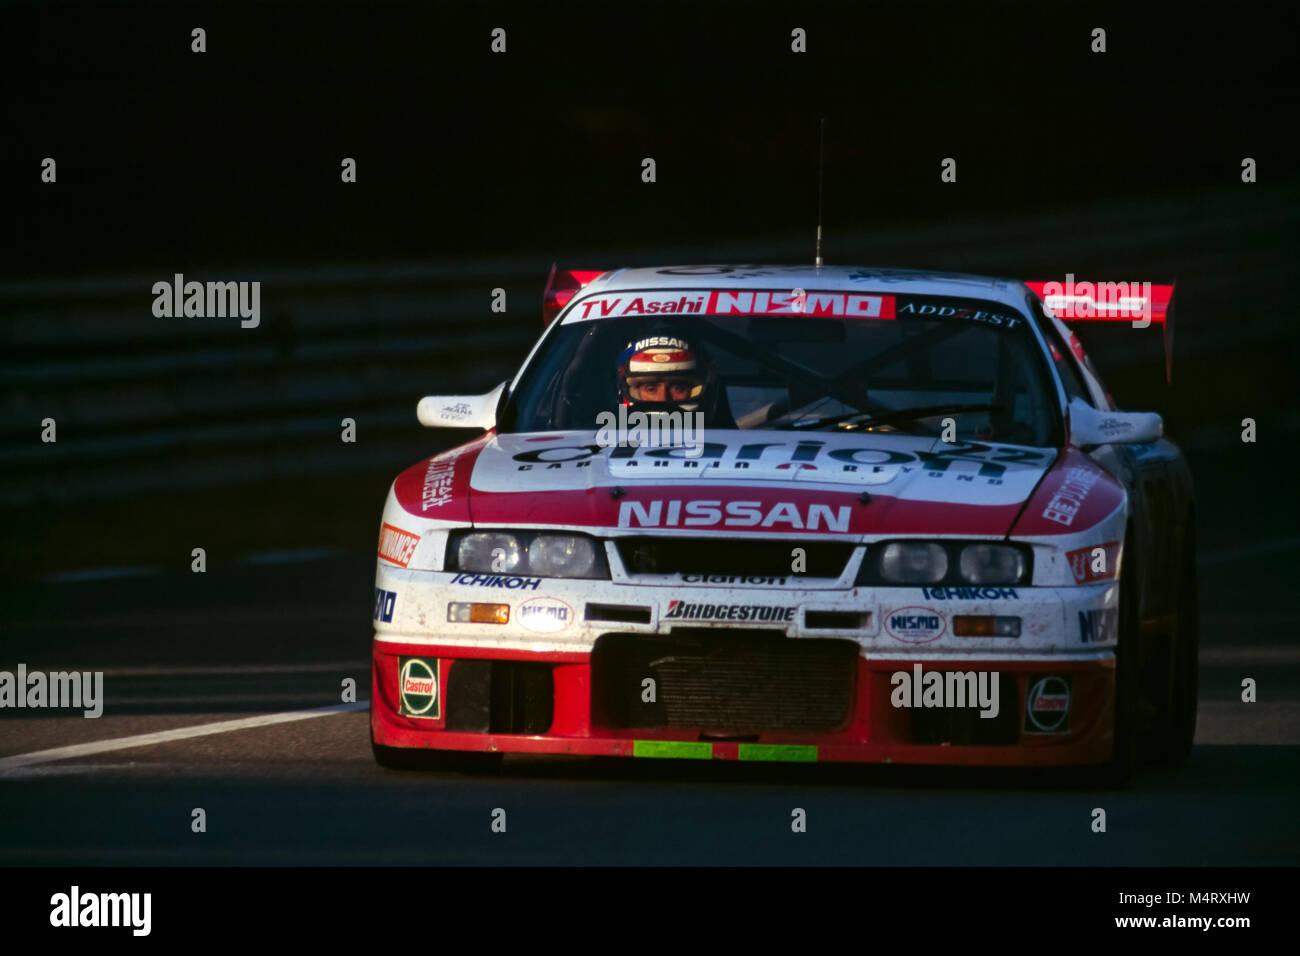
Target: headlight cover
pixel 487 551
pixel 913 562
pixel 539 554
pixel 991 564
pixel 928 563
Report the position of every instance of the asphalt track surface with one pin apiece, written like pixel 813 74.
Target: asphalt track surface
pixel 247 641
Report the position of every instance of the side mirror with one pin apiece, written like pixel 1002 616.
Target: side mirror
pixel 461 411
pixel 1091 426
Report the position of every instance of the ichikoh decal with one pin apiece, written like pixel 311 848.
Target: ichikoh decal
pixel 497 581
pixel 970 594
pixel 417 684
pixel 545 615
pixel 915 625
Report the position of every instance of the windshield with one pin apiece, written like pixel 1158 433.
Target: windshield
pixel 957 369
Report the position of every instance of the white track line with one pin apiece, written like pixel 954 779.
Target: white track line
pixel 165 736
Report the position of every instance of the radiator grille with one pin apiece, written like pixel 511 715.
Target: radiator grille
pixel 723 556
pixel 738 682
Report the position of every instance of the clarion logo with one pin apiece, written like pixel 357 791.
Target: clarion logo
pixel 735 514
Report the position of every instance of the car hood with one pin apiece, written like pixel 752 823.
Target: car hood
pixel 740 482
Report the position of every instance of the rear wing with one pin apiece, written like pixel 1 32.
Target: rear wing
pixel 1141 303
pixel 561 286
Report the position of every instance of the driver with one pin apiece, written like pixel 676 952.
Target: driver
pixel 664 373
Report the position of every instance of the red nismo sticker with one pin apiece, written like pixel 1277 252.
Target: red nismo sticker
pixel 730 302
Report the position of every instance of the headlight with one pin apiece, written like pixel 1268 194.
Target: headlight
pixel 911 562
pixel 946 563
pixel 991 564
pixel 561 556
pixel 534 553
pixel 489 552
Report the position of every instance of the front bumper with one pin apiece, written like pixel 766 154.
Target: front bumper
pixel 820 680
pixel 874 729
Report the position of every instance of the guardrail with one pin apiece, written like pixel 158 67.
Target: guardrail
pixel 145 404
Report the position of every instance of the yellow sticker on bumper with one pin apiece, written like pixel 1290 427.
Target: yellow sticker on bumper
pixel 690 749
pixel 790 753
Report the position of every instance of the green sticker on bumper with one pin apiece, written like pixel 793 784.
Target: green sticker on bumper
pixel 690 749
pixel 791 753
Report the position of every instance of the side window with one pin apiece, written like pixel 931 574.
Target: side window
pixel 1064 362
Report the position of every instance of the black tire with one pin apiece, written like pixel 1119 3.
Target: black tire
pixel 1119 770
pixel 1178 726
pixel 422 759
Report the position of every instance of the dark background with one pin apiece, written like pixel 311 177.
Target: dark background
pixel 170 159
pixel 476 171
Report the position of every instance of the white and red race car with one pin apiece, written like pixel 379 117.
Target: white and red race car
pixel 794 514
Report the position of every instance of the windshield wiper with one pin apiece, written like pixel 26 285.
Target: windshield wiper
pixel 892 415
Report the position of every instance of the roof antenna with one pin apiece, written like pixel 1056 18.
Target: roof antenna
pixel 821 159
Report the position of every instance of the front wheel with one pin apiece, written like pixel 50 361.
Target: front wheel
pixel 1119 769
pixel 1178 727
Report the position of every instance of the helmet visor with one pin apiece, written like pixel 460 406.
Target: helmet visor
pixel 664 388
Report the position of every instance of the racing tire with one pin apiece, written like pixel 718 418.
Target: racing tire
pixel 1119 769
pixel 1178 728
pixel 423 759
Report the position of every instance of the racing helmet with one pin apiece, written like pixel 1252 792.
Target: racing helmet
pixel 664 373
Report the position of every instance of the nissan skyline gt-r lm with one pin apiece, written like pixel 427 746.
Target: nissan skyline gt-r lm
pixel 794 514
